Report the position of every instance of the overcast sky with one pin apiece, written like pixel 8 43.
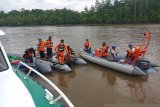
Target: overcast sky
pixel 77 5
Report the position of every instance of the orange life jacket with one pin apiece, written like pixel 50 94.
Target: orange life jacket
pixel 15 61
pixel 97 53
pixel 41 46
pixel 131 52
pixel 71 52
pixel 104 49
pixel 28 53
pixel 61 47
pixel 49 44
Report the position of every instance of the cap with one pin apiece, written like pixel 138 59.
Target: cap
pixel 130 45
pixel 113 46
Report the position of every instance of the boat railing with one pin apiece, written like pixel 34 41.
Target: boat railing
pixel 48 96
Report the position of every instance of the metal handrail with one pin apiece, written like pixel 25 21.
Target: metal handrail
pixel 48 81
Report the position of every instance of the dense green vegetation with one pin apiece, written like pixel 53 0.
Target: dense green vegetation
pixel 103 12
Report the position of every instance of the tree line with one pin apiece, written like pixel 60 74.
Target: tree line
pixel 103 12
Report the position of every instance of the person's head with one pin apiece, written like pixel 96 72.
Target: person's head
pixel 103 43
pixel 26 51
pixel 31 49
pixel 39 39
pixel 50 38
pixel 68 47
pixel 62 41
pixel 130 46
pixel 87 40
pixel 113 47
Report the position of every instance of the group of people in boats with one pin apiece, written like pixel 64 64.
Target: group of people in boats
pixel 60 49
pixel 133 54
pixel 109 53
pixel 102 52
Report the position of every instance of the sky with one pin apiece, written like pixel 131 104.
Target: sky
pixel 77 5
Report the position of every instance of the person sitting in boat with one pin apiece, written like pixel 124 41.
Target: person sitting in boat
pixel 113 54
pixel 41 48
pixel 71 53
pixel 87 46
pixel 28 55
pixel 130 52
pixel 49 46
pixel 60 49
pixel 104 50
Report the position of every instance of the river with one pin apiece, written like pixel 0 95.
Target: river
pixel 92 85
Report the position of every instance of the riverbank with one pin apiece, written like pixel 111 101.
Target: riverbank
pixel 65 25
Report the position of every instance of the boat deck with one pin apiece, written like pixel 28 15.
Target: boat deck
pixel 37 91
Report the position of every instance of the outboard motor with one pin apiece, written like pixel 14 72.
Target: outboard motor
pixel 143 64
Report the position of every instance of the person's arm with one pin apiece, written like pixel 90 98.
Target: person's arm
pixel 45 43
pixel 84 44
pixel 55 48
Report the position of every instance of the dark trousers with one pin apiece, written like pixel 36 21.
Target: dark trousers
pixel 49 52
pixel 88 50
pixel 42 55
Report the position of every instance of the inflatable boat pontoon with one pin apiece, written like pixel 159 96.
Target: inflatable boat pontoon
pixel 120 65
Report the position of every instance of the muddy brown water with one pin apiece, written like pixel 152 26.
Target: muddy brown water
pixel 92 85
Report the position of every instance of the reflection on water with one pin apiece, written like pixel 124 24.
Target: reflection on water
pixel 64 79
pixel 92 85
pixel 138 90
pixel 111 79
pixel 135 85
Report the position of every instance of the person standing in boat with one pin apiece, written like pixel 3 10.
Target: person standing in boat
pixel 28 55
pixel 104 50
pixel 41 48
pixel 113 54
pixel 49 45
pixel 87 46
pixel 60 49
